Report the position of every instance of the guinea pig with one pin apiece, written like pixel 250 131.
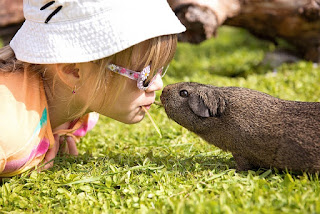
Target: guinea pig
pixel 260 131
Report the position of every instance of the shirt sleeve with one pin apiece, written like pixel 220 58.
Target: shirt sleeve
pixel 3 159
pixel 79 128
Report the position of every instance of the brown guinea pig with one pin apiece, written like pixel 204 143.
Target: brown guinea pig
pixel 258 129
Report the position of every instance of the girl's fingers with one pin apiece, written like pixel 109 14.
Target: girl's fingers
pixel 51 153
pixel 72 147
pixel 63 145
pixel 68 146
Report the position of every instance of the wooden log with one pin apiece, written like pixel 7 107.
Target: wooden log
pixel 203 17
pixel 297 22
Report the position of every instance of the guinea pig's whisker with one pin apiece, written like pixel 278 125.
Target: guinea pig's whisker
pixel 152 121
pixel 158 103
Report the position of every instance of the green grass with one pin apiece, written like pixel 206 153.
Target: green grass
pixel 129 169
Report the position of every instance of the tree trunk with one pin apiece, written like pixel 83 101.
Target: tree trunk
pixel 297 22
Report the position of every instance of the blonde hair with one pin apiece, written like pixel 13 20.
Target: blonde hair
pixel 156 52
pixel 8 61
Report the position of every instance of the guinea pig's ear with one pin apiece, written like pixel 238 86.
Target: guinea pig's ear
pixel 206 104
pixel 197 106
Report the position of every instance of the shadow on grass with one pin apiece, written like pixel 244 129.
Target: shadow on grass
pixel 180 164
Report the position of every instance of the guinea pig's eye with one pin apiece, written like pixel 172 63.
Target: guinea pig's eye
pixel 184 93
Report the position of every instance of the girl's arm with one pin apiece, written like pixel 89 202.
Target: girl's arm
pixel 70 132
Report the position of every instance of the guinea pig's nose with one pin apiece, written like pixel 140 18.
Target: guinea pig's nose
pixel 162 99
pixel 163 95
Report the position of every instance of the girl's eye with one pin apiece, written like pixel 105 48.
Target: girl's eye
pixel 184 93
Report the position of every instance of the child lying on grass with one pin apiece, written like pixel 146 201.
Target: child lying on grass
pixel 71 59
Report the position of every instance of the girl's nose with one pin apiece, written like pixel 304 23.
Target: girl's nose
pixel 156 85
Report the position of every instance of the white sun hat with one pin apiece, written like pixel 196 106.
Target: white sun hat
pixel 70 31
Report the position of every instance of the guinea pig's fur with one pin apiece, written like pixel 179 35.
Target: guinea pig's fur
pixel 258 129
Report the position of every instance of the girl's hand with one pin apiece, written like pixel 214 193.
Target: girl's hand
pixel 51 153
pixel 64 144
pixel 68 145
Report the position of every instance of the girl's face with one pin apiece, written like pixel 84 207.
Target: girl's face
pixel 128 104
pixel 127 107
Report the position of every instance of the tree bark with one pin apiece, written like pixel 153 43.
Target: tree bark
pixel 297 22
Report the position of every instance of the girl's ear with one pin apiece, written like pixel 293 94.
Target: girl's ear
pixel 68 73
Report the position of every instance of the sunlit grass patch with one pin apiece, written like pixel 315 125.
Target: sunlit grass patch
pixel 130 169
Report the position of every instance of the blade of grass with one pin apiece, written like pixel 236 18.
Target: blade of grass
pixel 158 103
pixel 97 178
pixel 152 121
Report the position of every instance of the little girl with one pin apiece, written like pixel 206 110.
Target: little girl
pixel 71 59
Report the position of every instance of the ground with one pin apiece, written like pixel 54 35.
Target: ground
pixel 129 169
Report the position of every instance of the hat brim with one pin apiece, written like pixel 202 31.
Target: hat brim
pixel 95 37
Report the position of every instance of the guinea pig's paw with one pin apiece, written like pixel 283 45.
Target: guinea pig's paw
pixel 207 104
pixel 242 164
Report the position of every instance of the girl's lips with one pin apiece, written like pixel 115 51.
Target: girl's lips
pixel 147 106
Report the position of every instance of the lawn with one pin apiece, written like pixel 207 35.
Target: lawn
pixel 130 169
